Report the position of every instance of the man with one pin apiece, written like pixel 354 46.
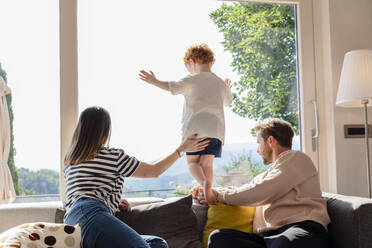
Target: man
pixel 290 210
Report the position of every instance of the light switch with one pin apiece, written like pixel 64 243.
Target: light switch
pixel 356 131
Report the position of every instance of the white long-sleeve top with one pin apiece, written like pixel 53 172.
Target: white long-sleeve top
pixel 205 94
pixel 288 192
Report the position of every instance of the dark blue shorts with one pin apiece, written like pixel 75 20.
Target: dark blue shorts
pixel 214 148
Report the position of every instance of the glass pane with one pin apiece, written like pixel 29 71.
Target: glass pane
pixel 29 57
pixel 254 46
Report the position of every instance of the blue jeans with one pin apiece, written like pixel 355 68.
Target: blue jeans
pixel 100 229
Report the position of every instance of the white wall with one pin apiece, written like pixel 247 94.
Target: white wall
pixel 340 26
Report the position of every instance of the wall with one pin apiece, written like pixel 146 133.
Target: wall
pixel 340 26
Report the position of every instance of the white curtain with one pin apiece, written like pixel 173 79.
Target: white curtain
pixel 7 193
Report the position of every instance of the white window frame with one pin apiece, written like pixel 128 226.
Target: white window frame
pixel 69 76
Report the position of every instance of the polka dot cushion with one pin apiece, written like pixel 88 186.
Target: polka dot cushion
pixel 40 235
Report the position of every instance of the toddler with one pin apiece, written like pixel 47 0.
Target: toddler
pixel 205 96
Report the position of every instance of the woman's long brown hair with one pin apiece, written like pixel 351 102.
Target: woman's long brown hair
pixel 90 135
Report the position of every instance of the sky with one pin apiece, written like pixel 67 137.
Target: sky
pixel 116 39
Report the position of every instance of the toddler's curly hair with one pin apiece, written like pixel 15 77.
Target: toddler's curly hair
pixel 201 54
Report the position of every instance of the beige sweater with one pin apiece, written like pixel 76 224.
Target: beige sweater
pixel 286 193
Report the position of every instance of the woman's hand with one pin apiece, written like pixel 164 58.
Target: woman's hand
pixel 194 144
pixel 147 77
pixel 124 205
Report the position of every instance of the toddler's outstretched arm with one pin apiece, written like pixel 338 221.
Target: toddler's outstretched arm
pixel 228 83
pixel 150 78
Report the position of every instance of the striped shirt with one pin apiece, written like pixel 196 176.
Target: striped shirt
pixel 101 178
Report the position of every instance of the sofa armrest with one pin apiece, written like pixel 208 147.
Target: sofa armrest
pixel 351 221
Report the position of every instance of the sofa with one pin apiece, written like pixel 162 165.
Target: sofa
pixel 351 217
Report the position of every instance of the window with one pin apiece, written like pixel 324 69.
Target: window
pixel 29 57
pixel 117 40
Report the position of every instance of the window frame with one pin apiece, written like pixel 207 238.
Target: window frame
pixel 68 79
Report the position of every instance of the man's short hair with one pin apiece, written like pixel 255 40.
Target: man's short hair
pixel 281 130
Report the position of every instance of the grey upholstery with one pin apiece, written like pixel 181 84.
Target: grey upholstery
pixel 351 221
pixel 201 212
pixel 173 220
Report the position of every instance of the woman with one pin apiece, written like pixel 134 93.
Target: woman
pixel 94 181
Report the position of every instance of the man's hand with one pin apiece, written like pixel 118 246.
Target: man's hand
pixel 147 77
pixel 124 205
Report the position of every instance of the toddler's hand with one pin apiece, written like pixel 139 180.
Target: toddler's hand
pixel 228 83
pixel 147 77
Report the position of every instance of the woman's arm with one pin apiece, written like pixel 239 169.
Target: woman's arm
pixel 191 144
pixel 150 78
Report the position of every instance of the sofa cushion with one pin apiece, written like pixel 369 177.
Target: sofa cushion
pixel 42 234
pixel 351 221
pixel 60 212
pixel 223 216
pixel 173 220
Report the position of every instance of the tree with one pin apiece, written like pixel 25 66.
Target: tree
pixel 11 163
pixel 244 162
pixel 262 41
pixel 39 182
pixel 241 169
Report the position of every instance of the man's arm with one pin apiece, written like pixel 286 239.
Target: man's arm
pixel 268 188
pixel 150 78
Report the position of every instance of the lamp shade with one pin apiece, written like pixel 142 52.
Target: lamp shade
pixel 356 79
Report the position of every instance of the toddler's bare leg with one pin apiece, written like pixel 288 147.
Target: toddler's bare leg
pixel 195 168
pixel 206 162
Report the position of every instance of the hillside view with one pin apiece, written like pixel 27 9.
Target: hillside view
pixel 44 182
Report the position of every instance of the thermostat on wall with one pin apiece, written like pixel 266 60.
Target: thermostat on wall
pixel 356 131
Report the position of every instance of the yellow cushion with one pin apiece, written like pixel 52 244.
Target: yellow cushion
pixel 222 216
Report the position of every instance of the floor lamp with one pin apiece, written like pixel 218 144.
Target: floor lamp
pixel 355 90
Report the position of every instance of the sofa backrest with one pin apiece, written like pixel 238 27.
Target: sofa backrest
pixel 12 215
pixel 351 221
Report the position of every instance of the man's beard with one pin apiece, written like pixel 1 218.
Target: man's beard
pixel 267 155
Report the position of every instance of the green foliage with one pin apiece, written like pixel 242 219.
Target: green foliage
pixel 181 189
pixel 262 41
pixel 41 182
pixel 243 162
pixel 11 163
pixel 23 191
